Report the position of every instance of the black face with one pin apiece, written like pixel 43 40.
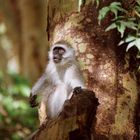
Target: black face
pixel 58 54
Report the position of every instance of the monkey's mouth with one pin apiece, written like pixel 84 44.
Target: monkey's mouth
pixel 56 60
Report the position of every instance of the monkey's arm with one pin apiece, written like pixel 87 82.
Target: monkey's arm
pixel 75 77
pixel 40 85
pixel 37 89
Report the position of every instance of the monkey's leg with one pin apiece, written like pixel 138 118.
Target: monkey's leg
pixel 42 112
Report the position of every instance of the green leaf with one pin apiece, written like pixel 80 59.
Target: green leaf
pixel 117 6
pixel 110 27
pixel 137 43
pixel 121 42
pixel 114 4
pixel 130 24
pixel 121 29
pixel 24 90
pixel 131 44
pixel 130 38
pixel 115 11
pixel 102 13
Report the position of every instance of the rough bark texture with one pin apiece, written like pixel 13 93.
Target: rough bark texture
pixel 75 121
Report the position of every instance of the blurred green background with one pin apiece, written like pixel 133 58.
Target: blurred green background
pixel 17 119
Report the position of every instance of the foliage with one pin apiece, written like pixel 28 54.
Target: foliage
pixel 17 119
pixel 126 21
pixel 114 7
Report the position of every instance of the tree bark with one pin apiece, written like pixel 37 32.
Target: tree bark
pixel 107 70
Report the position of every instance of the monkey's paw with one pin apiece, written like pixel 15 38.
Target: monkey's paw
pixel 77 90
pixel 32 101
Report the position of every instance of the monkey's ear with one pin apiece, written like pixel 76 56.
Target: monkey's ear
pixel 32 100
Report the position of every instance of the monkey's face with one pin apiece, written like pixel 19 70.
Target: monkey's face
pixel 61 54
pixel 58 53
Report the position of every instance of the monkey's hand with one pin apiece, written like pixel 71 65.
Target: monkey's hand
pixel 77 90
pixel 32 100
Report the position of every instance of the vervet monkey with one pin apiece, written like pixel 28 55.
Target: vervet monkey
pixel 61 76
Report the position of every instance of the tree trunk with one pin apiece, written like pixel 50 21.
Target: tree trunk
pixel 33 37
pixel 10 17
pixel 106 69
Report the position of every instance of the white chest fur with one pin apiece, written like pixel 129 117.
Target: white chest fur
pixel 57 100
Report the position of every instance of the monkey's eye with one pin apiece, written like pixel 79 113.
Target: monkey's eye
pixel 58 50
pixel 61 50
